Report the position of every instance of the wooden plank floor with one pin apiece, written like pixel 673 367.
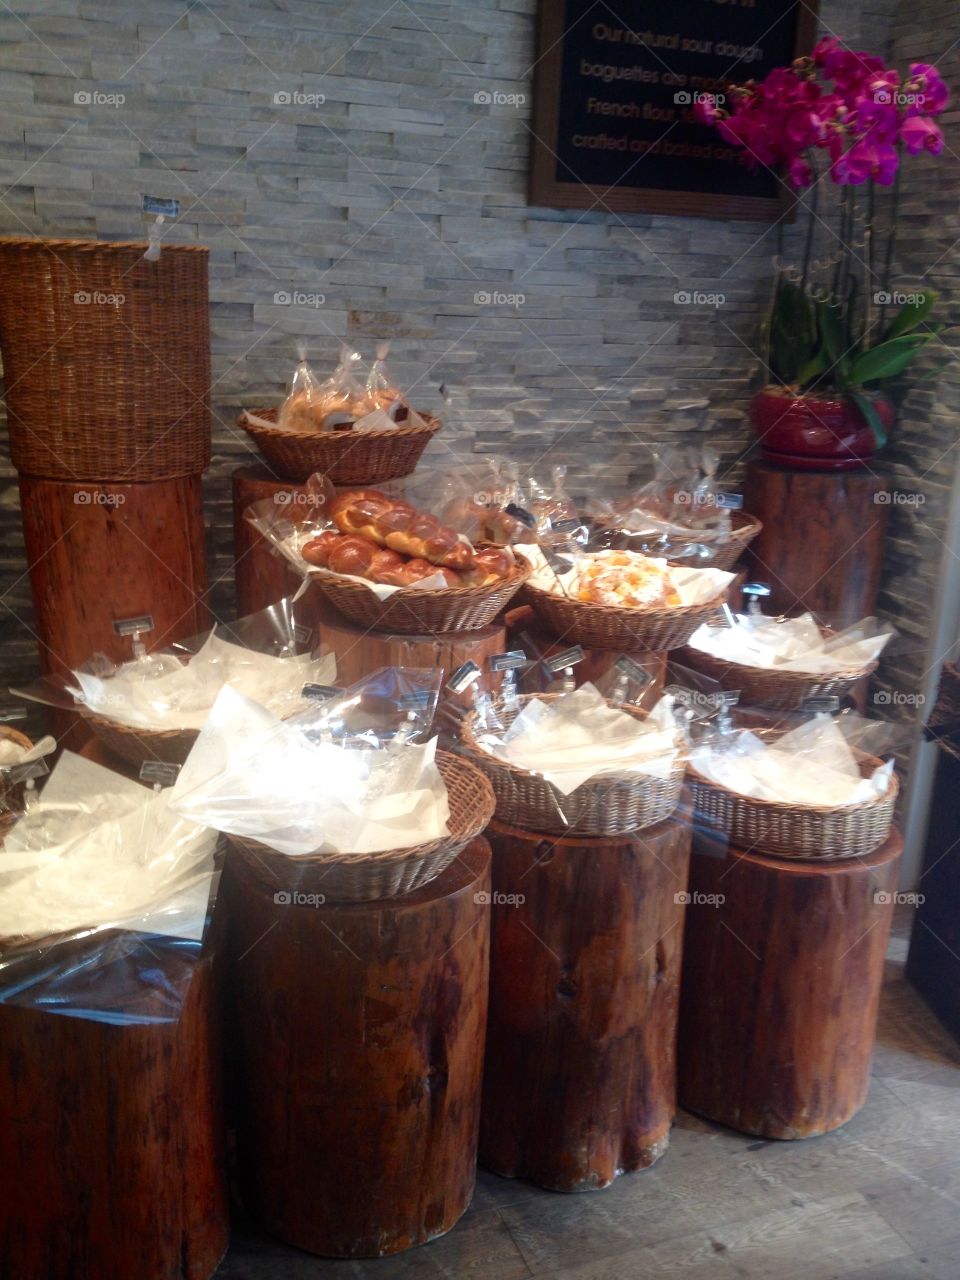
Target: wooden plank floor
pixel 877 1200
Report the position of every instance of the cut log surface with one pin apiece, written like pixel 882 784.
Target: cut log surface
pixel 579 1083
pixel 782 969
pixel 261 575
pixel 357 1050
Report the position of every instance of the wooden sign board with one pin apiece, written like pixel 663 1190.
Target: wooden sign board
pixel 613 103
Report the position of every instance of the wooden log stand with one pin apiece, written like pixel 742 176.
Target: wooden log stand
pixel 525 633
pixel 103 552
pixel 579 1082
pixel 361 652
pixel 111 1149
pixel 261 576
pixel 358 1055
pixel 782 969
pixel 821 545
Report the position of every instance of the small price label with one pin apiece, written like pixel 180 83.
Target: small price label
pixel 133 626
pixel 568 658
pixel 463 677
pixel 168 207
pixel 629 667
pixel 320 692
pixel 159 771
pixel 511 661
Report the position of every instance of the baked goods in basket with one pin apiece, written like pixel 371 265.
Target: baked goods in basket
pixel 391 522
pixel 628 580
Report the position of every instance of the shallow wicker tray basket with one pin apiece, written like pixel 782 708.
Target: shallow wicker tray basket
pixel 773 689
pixel 172 746
pixel 411 611
pixel 726 551
pixel 365 877
pixel 345 457
pixel 608 805
pixel 806 832
pixel 602 626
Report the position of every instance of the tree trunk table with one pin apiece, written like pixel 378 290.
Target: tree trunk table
pixel 261 575
pixel 782 969
pixel 111 1143
pixel 100 553
pixel 579 1081
pixel 821 545
pixel 358 1050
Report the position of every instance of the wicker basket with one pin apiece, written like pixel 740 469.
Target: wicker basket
pixel 345 457
pixel 609 805
pixel 11 793
pixel 725 552
pixel 602 626
pixel 770 688
pixel 412 611
pixel 365 877
pixel 172 746
pixel 805 832
pixel 100 389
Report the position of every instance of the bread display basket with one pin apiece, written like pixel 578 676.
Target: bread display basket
pixel 602 626
pixel 725 550
pixel 365 877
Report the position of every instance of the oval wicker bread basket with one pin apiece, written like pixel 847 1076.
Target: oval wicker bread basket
pixel 345 457
pixel 413 611
pixel 610 804
pixel 106 359
pixel 603 626
pixel 725 551
pixel 365 877
pixel 772 688
pixel 172 746
pixel 11 793
pixel 808 832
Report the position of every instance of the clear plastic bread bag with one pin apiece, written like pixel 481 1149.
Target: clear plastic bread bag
pixel 267 656
pixel 106 897
pixel 355 773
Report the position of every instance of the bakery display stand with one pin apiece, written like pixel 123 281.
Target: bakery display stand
pixel 587 936
pixel 782 969
pixel 358 1033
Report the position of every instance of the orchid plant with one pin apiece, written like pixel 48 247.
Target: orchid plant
pixel 846 116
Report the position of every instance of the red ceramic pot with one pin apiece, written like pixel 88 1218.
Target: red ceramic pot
pixel 815 432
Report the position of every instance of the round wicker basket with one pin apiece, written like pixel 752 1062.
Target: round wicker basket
pixel 137 746
pixel 725 551
pixel 413 611
pixel 602 626
pixel 11 793
pixel 106 359
pixel 610 804
pixel 365 877
pixel 345 457
pixel 806 832
pixel 771 688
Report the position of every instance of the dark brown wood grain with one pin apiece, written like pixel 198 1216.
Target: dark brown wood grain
pixel 524 633
pixel 821 545
pixel 261 575
pixel 579 1082
pixel 781 985
pixel 111 1146
pixel 358 1053
pixel 102 552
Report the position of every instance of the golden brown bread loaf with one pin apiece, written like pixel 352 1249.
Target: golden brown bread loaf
pixel 393 523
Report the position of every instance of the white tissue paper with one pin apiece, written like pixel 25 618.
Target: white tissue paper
pixel 97 850
pixel 694 586
pixel 250 774
pixel 810 765
pixel 577 736
pixel 792 644
pixel 158 691
pixel 13 753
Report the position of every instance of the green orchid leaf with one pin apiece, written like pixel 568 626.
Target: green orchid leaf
pixel 815 366
pixel 831 336
pixel 911 314
pixel 887 359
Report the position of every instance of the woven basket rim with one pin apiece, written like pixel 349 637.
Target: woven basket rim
pixel 867 764
pixel 447 762
pixel 518 574
pixel 743 525
pixel 429 426
pixel 791 675
pixel 623 611
pixel 54 242
pixel 470 743
pixel 136 731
